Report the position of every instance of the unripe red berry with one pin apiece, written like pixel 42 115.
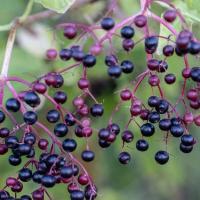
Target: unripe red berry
pixel 192 94
pixel 78 102
pixel 87 131
pixel 153 64
pixel 197 120
pixel 70 32
pixel 135 110
pixel 11 181
pixel 186 72
pixel 83 83
pixel 3 149
pixel 154 80
pixel 140 21
pixel 188 118
pixel 41 88
pixel 43 144
pixel 83 179
pixel 96 50
pixel 170 15
pixel 125 95
pixel 51 54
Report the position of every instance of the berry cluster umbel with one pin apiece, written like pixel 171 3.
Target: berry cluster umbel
pixel 156 113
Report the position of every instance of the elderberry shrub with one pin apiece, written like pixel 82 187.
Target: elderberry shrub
pixel 67 120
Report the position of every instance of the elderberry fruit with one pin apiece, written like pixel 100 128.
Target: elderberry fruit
pixel 154 117
pixel 140 21
pixel 30 117
pixel 186 149
pixel 107 23
pixel 170 15
pixel 151 44
pixel 69 119
pixel 88 155
pixel 147 129
pixel 127 66
pixel 2 116
pixel 177 130
pixel 70 32
pixel 53 116
pixel 97 110
pixel 60 130
pixel 114 71
pixel 48 181
pixel 69 145
pixel 127 32
pixel 4 132
pixel 60 97
pixel 65 54
pixel 170 78
pixel 165 124
pixel 187 140
pixel 104 133
pixel 195 74
pixel 32 99
pixel 89 60
pixel 127 136
pixel 142 145
pixel 153 101
pixel 124 158
pixel 12 105
pixel 14 160
pixel 77 195
pixel 162 157
pixel 25 174
pixel 162 107
pixel 194 48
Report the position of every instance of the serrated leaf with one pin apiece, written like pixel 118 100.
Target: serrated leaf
pixel 60 6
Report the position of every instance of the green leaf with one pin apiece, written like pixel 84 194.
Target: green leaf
pixel 60 6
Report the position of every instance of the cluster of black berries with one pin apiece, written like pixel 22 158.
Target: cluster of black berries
pixel 50 167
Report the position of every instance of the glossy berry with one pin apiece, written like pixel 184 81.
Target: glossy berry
pixel 40 88
pixel 142 145
pixel 77 195
pixel 60 130
pixel 97 110
pixel 176 130
pixel 151 44
pixel 2 116
pixel 83 179
pixel 69 145
pixel 38 195
pixel 124 158
pixel 53 116
pixel 89 60
pixel 126 94
pixel 70 119
pixel 114 128
pixel 154 80
pixel 165 124
pixel 162 157
pixel 43 144
pixel 147 129
pixel 25 174
pixel 3 149
pixel 48 181
pixel 88 155
pixel 194 48
pixel 153 64
pixel 12 142
pixel 4 132
pixel 104 133
pixel 187 140
pixel 153 101
pixel 163 66
pixel 70 32
pixel 128 44
pixel 127 136
pixel 170 78
pixel 168 50
pixel 195 74
pixel 66 172
pixel 162 107
pixel 14 160
pixel 25 197
pixel 154 117
pixel 12 105
pixel 65 54
pixel 127 32
pixel 107 23
pixel 30 117
pixel 24 149
pixel 127 66
pixel 32 99
pixel 60 97
pixel 140 21
pixel 114 71
pixel 111 60
pixel 186 149
pixel 169 15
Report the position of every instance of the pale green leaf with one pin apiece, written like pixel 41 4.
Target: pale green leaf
pixel 60 6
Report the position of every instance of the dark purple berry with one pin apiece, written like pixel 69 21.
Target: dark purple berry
pixel 162 157
pixel 107 23
pixel 124 158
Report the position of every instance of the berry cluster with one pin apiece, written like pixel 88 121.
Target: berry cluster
pixel 56 163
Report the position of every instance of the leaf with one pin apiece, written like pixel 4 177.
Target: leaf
pixel 60 6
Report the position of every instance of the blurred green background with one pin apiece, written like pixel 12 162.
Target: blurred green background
pixel 142 178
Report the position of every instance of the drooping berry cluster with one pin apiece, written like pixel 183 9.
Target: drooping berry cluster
pixel 55 163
